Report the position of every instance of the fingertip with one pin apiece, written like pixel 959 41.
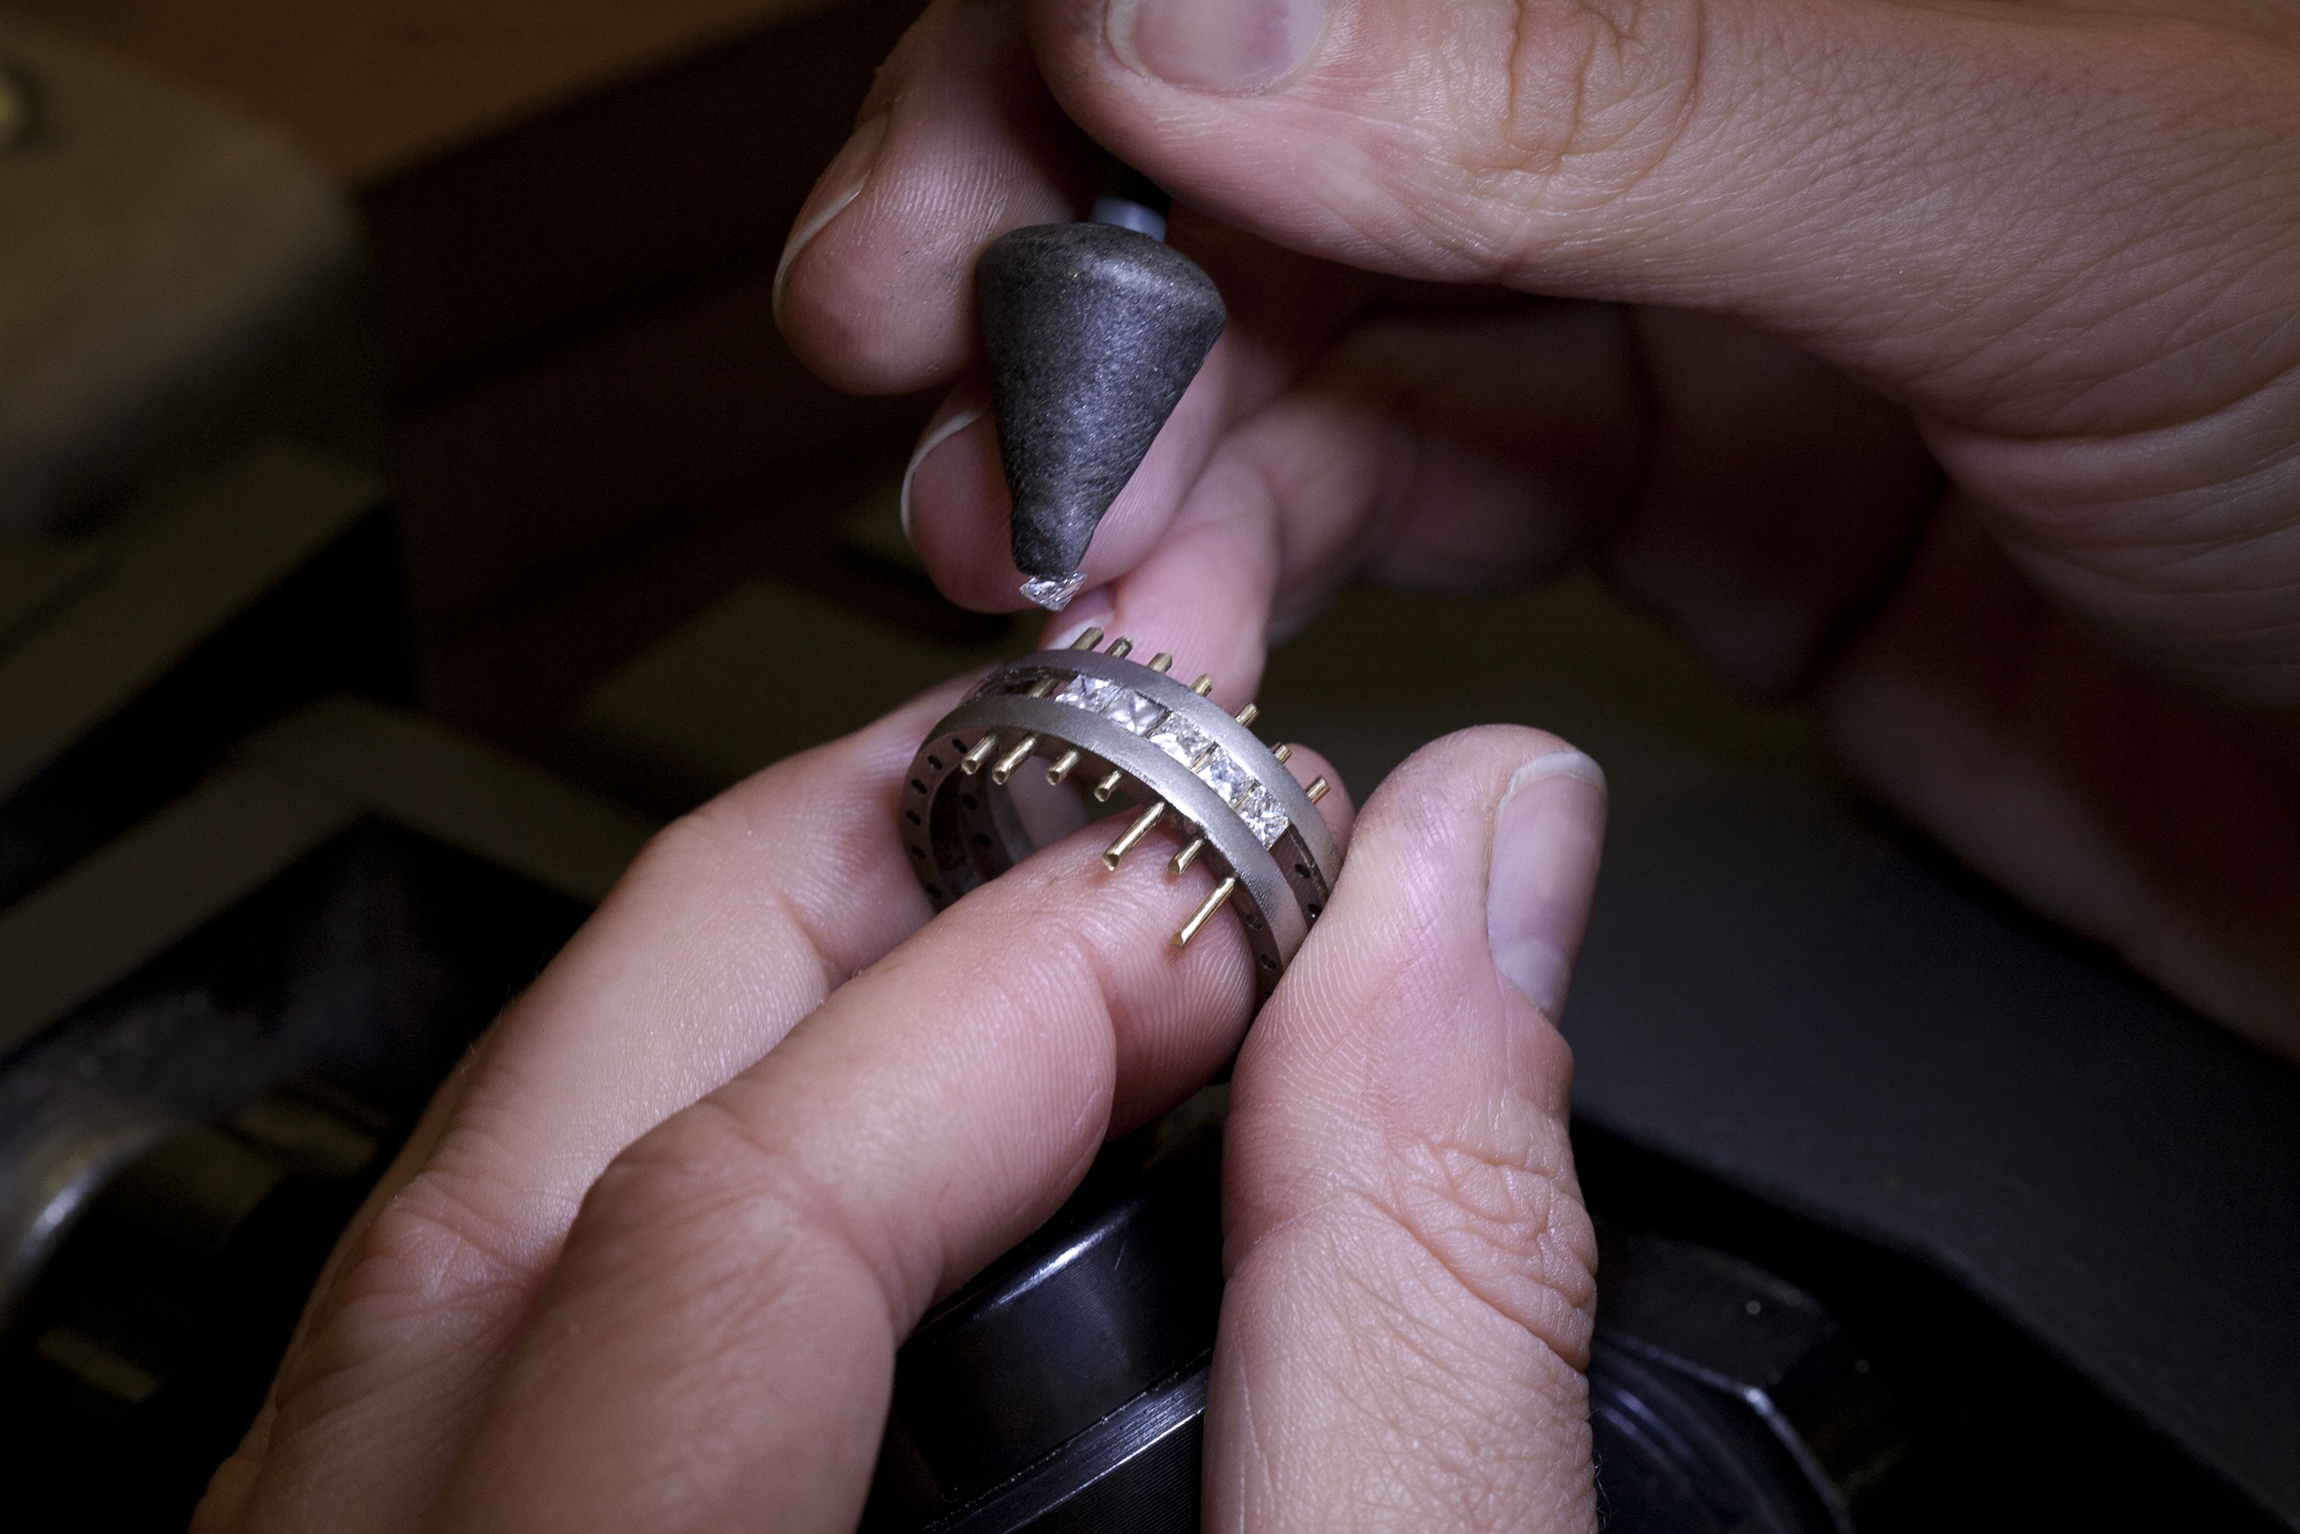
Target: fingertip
pixel 965 405
pixel 1400 1205
pixel 1466 891
pixel 1200 592
pixel 223 1506
pixel 1215 45
pixel 955 507
pixel 842 181
pixel 1548 835
pixel 874 291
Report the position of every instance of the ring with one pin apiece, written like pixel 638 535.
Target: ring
pixel 1112 726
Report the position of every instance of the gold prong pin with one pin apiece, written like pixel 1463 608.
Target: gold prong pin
pixel 1144 824
pixel 1019 753
pixel 1013 759
pixel 1205 913
pixel 1119 649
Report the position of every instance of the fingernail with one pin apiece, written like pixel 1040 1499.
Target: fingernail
pixel 1215 45
pixel 841 182
pixel 1546 840
pixel 936 434
pixel 1094 609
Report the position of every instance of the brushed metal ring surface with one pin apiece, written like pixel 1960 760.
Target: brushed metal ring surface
pixel 1113 727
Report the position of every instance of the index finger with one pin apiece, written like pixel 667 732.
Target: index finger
pixel 732 925
pixel 716 1345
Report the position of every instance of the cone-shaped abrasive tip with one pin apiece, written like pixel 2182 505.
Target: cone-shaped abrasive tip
pixel 1094 331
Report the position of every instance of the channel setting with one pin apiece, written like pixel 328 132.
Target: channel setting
pixel 1108 728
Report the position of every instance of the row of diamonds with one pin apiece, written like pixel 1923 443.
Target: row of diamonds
pixel 1240 787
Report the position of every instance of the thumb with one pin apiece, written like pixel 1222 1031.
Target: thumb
pixel 1409 1301
pixel 1988 210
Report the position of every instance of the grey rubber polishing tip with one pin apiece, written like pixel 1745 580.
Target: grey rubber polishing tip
pixel 1094 332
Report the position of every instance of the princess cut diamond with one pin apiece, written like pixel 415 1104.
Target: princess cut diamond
pixel 1179 739
pixel 1089 693
pixel 1227 776
pixel 1134 711
pixel 1261 814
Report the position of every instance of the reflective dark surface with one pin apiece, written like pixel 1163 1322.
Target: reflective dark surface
pixel 202 1133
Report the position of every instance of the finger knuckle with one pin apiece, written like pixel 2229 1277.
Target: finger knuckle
pixel 437 1248
pixel 696 1170
pixel 707 1188
pixel 1437 1438
pixel 695 843
pixel 1503 1225
pixel 711 859
pixel 1455 1407
pixel 1590 98
pixel 1601 81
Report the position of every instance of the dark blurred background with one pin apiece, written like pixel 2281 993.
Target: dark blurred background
pixel 572 217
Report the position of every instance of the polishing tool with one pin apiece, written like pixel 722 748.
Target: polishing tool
pixel 1094 331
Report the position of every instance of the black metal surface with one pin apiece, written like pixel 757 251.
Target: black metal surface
pixel 368 963
pixel 1996 1435
pixel 154 1330
pixel 1114 1299
pixel 139 1350
pixel 1723 1396
pixel 1677 1456
pixel 1863 1390
pixel 1126 184
pixel 1819 1016
pixel 1094 332
pixel 337 623
pixel 1134 1472
pixel 1064 1388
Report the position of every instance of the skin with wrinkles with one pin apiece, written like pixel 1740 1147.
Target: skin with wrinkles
pixel 1936 364
pixel 1436 1267
pixel 646 1262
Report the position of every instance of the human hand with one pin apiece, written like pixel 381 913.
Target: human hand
pixel 1939 363
pixel 645 1262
